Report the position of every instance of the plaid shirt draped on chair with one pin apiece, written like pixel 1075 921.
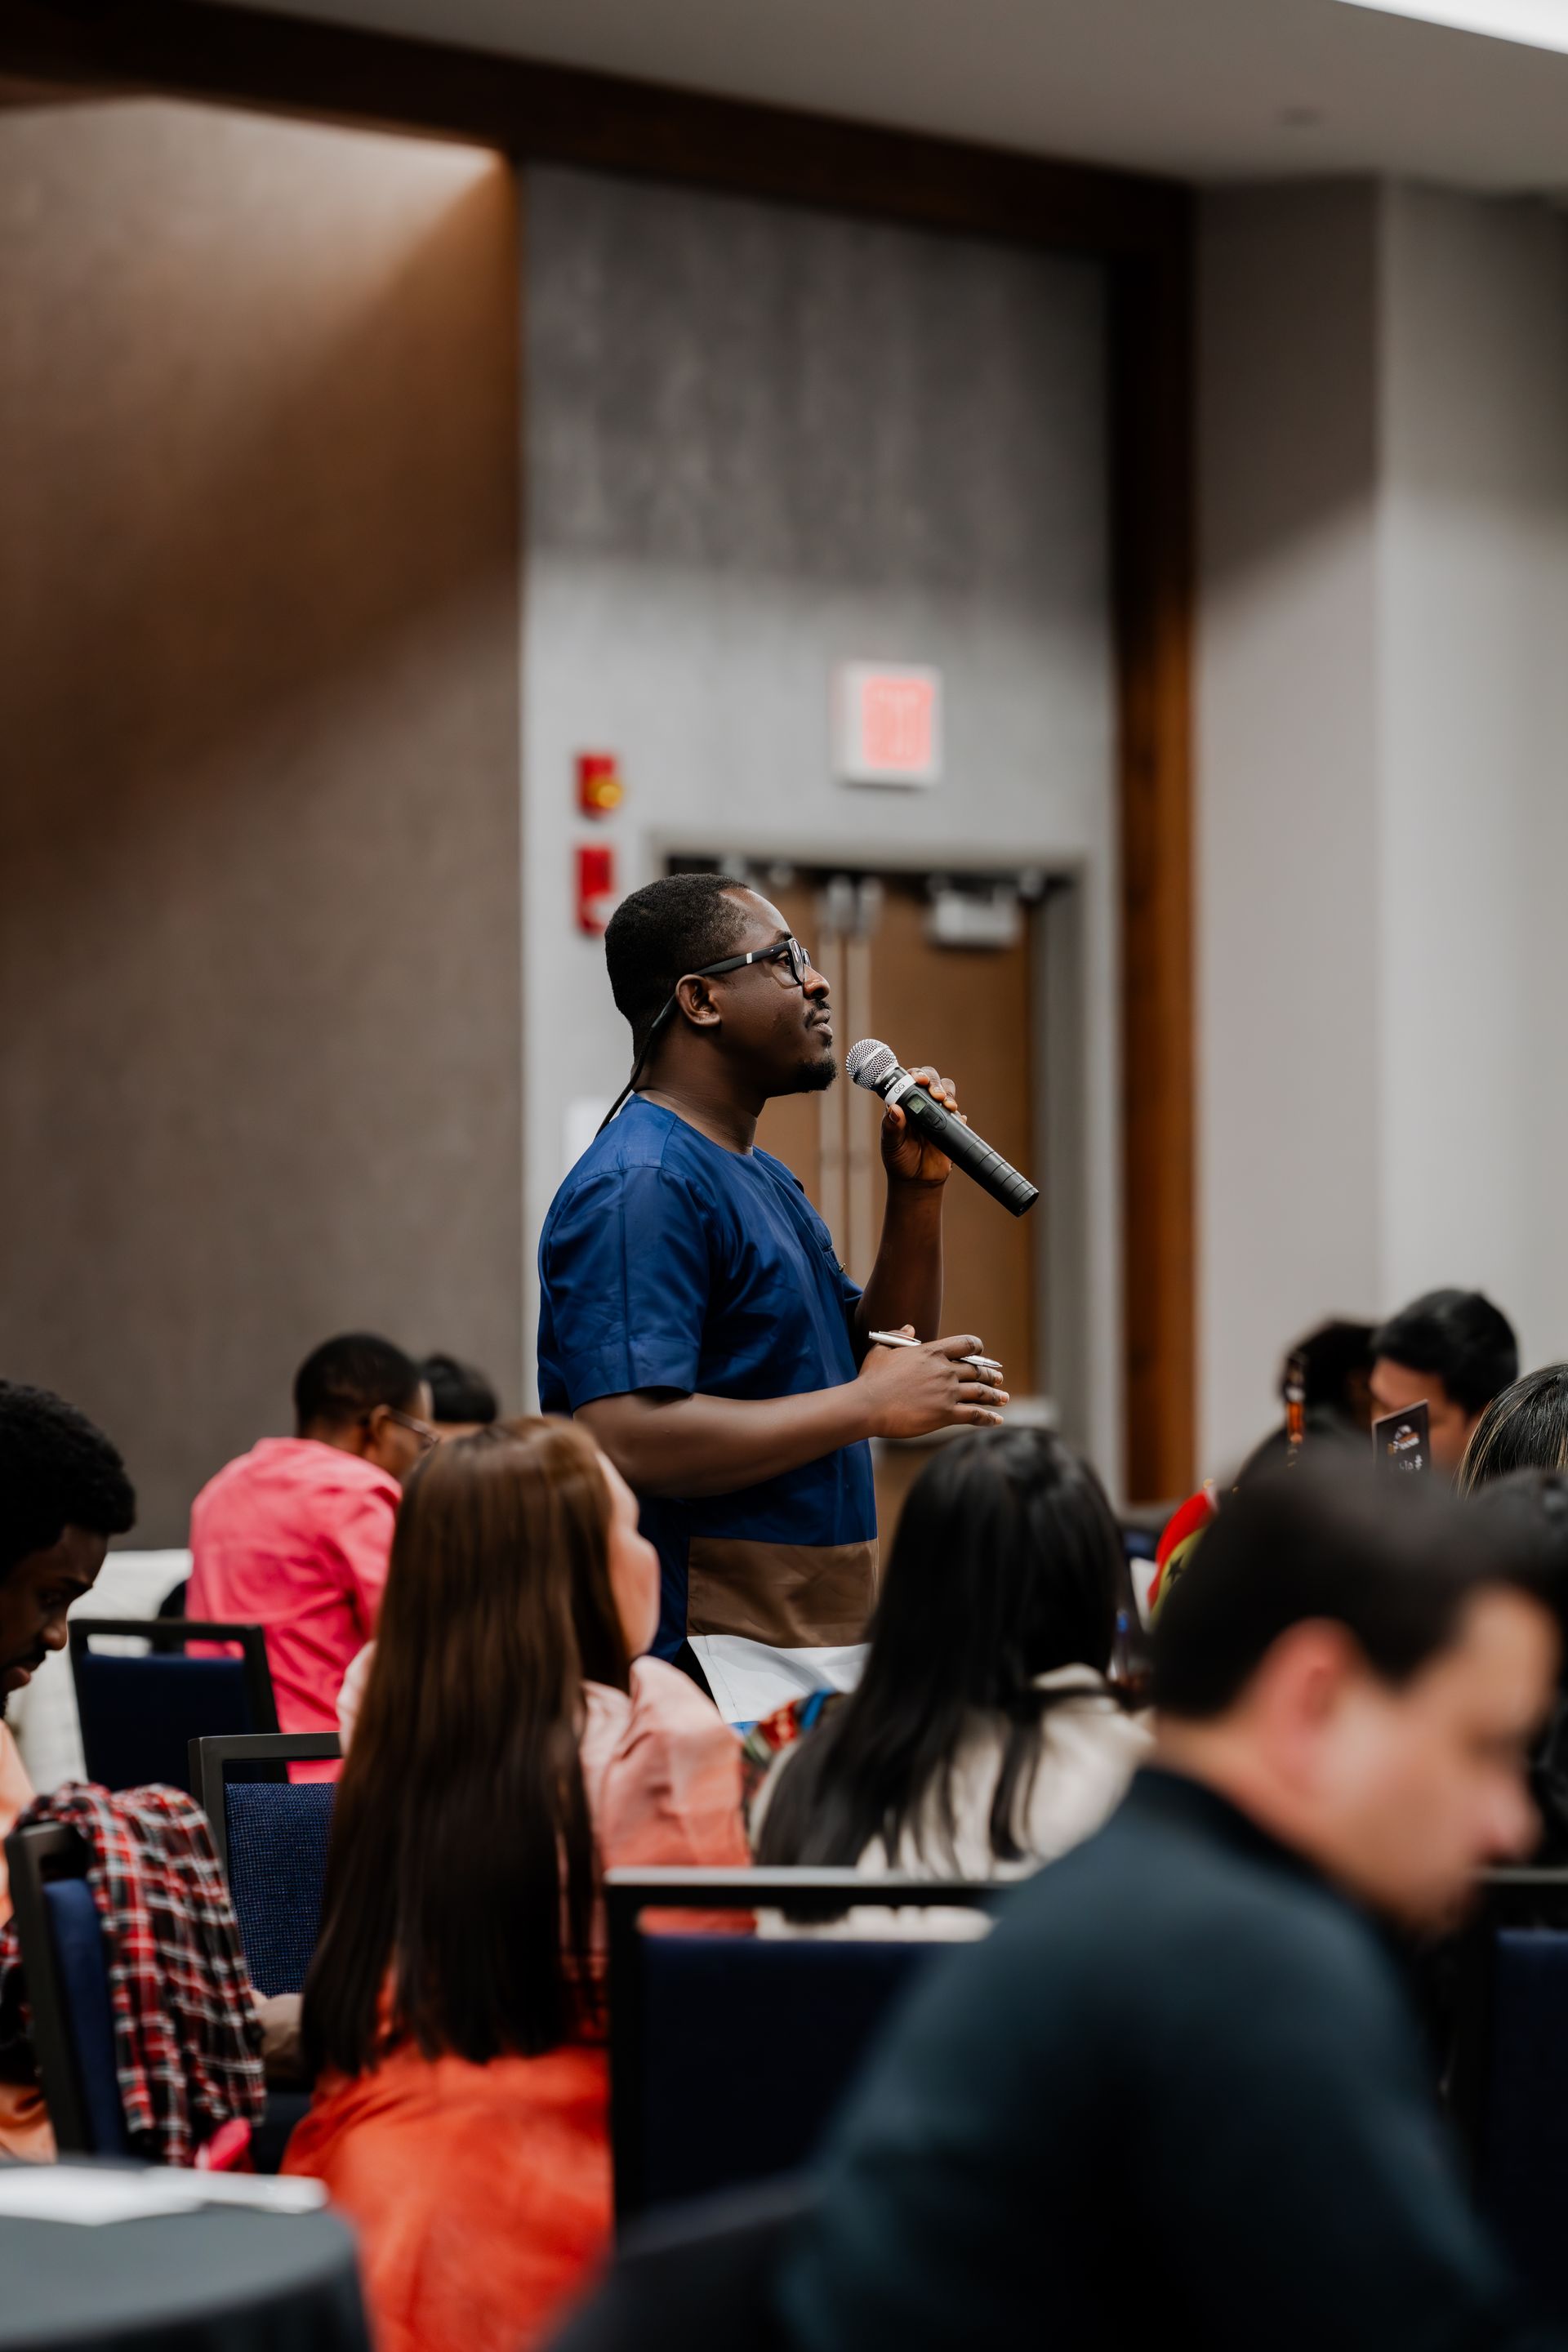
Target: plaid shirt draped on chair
pixel 186 2040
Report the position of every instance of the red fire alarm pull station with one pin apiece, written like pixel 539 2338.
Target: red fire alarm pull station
pixel 599 786
pixel 595 886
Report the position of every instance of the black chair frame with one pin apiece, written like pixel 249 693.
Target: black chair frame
pixel 270 1752
pixel 1509 1899
pixel 34 1856
pixel 695 2273
pixel 174 1633
pixel 804 1895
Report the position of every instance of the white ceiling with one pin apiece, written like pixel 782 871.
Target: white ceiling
pixel 1206 90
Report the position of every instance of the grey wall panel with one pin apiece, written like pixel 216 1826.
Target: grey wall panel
pixel 761 442
pixel 258 728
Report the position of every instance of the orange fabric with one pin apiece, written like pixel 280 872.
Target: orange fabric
pixel 481 2193
pixel 25 2127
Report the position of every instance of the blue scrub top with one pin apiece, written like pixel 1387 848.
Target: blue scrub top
pixel 667 1262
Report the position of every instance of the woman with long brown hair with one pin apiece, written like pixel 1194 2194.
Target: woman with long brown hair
pixel 510 1744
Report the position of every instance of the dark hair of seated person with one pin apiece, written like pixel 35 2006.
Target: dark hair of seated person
pixel 1458 1335
pixel 1007 1563
pixel 1391 1559
pixel 460 1392
pixel 1527 1512
pixel 348 1377
pixel 57 1470
pixel 1525 1428
pixel 461 1875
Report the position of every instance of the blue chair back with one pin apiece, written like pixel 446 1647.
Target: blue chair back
pixel 277 1836
pixel 783 2024
pixel 774 2028
pixel 1524 2153
pixel 82 1959
pixel 65 1955
pixel 138 1715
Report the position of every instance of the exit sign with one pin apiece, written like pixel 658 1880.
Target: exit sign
pixel 888 724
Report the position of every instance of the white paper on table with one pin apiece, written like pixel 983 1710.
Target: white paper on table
pixel 91 2195
pixel 269 2192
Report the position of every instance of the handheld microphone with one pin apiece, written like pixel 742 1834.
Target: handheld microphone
pixel 872 1065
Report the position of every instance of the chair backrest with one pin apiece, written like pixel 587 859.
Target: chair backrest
pixel 273 1839
pixel 707 2029
pixel 1509 2079
pixel 700 2274
pixel 66 1957
pixel 140 1714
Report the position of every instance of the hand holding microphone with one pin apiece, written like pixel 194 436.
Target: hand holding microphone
pixel 930 1117
pixel 909 1154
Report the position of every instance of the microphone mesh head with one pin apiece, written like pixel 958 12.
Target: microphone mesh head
pixel 871 1063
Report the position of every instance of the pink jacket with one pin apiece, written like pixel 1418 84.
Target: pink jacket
pixel 660 1767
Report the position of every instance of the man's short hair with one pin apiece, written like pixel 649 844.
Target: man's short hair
pixel 458 1392
pixel 663 931
pixel 1391 1559
pixel 345 1379
pixel 1462 1337
pixel 57 1470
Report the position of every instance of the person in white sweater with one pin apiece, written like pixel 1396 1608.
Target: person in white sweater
pixel 986 1735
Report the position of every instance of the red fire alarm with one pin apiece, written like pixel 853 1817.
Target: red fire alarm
pixel 599 786
pixel 595 886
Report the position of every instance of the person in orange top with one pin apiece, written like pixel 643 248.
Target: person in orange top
pixel 509 1744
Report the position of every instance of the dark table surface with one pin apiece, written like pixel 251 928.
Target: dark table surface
pixel 219 2280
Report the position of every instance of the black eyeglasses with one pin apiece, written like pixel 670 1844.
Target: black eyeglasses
pixel 785 951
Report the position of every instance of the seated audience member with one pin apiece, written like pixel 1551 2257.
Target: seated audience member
pixel 1336 1363
pixel 63 1493
pixel 1178 2097
pixel 1455 1351
pixel 1525 1428
pixel 511 1743
pixel 294 1536
pixel 1528 1511
pixel 983 1736
pixel 461 1398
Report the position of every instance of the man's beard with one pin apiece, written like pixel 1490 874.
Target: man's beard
pixel 32 1665
pixel 815 1077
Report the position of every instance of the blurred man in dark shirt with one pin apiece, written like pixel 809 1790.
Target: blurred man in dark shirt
pixel 1178 2098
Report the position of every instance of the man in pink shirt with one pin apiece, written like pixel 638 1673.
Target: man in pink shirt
pixel 295 1535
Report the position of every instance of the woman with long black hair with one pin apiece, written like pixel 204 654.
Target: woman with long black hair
pixel 985 1735
pixel 511 1744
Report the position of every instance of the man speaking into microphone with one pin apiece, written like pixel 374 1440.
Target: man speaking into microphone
pixel 694 1316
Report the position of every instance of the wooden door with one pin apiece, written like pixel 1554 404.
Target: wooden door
pixel 970 1012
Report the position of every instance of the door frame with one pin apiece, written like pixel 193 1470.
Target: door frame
pixel 1139 227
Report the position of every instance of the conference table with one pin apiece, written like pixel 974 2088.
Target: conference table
pixel 216 2280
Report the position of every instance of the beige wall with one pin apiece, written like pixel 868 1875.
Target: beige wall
pixel 1288 747
pixel 259 718
pixel 1383 711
